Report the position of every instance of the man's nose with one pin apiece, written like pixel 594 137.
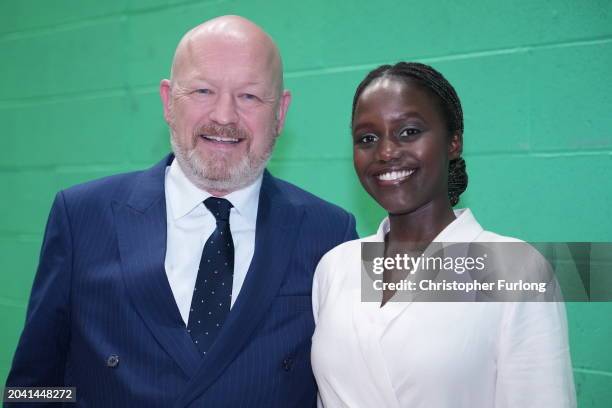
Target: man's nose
pixel 224 110
pixel 387 149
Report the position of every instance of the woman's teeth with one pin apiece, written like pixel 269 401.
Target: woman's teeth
pixel 394 175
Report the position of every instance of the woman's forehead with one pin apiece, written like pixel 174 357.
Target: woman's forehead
pixel 391 90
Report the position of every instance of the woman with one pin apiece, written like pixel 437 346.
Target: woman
pixel 407 128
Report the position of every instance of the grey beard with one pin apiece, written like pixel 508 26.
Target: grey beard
pixel 214 173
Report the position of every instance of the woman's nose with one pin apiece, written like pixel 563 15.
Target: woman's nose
pixel 387 150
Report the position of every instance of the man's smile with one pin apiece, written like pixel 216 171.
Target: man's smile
pixel 221 139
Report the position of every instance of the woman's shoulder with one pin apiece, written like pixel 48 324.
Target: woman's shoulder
pixel 342 260
pixel 467 222
pixel 346 249
pixel 489 236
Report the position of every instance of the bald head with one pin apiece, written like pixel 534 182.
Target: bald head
pixel 228 34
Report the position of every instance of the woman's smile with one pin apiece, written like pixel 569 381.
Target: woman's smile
pixel 394 176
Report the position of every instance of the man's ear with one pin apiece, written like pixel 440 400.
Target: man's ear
pixel 165 94
pixel 455 147
pixel 283 107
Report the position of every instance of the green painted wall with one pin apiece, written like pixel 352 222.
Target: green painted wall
pixel 78 100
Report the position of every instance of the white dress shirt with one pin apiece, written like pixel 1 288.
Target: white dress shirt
pixel 434 354
pixel 189 224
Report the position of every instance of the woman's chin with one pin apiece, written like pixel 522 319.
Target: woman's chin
pixel 393 207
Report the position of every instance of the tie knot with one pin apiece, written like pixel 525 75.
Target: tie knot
pixel 219 207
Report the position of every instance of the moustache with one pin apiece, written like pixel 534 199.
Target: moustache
pixel 230 131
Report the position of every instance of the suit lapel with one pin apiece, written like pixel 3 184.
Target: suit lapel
pixel 278 222
pixel 141 235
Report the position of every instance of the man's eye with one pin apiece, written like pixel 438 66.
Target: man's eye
pixel 203 91
pixel 249 97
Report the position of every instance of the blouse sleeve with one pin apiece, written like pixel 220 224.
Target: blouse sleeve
pixel 534 366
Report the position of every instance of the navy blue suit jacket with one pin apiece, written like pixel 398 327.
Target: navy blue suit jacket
pixel 101 290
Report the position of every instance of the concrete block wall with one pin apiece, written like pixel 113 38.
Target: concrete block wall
pixel 78 100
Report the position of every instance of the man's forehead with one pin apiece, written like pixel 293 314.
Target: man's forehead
pixel 242 67
pixel 228 48
pixel 222 49
pixel 224 58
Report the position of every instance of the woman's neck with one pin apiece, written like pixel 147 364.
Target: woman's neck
pixel 417 229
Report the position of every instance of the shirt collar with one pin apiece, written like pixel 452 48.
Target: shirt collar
pixel 184 196
pixel 246 200
pixel 463 228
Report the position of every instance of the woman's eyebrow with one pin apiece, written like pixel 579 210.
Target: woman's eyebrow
pixel 396 118
pixel 363 125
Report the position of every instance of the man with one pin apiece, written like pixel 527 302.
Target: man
pixel 131 301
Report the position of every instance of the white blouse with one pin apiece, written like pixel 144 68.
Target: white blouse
pixel 434 355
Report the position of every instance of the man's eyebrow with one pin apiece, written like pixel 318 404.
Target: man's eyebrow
pixel 252 83
pixel 198 80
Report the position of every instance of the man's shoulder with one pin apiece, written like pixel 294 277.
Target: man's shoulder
pixel 324 223
pixel 113 187
pixel 103 184
pixel 118 187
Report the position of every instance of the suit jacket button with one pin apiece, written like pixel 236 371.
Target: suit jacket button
pixel 287 364
pixel 112 361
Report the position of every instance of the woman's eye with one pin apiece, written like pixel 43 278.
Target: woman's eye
pixel 409 132
pixel 367 139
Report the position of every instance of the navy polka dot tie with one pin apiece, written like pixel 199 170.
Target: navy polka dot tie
pixel 213 289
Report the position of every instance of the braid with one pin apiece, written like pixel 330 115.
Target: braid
pixel 449 102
